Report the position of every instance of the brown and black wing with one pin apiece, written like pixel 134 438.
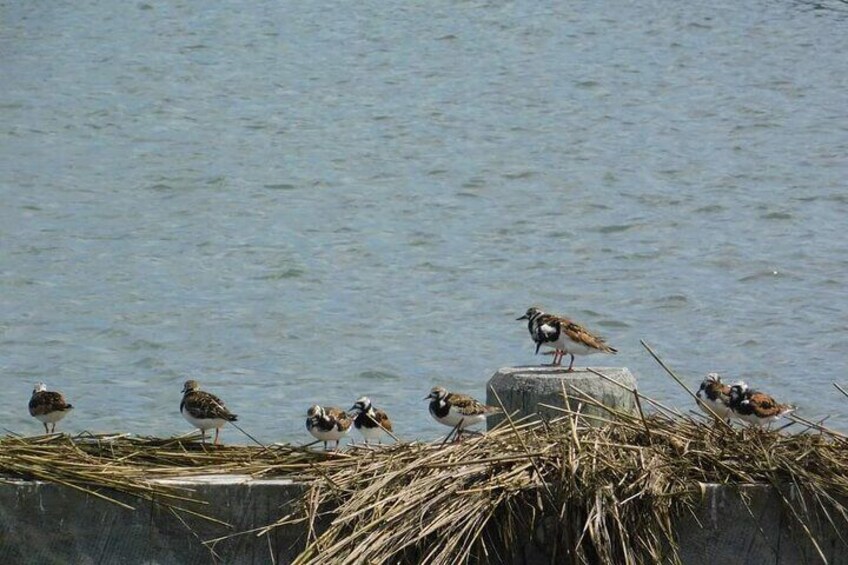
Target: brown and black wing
pixel 468 406
pixel 340 417
pixel 578 333
pixel 206 406
pixel 47 402
pixel 383 420
pixel 765 406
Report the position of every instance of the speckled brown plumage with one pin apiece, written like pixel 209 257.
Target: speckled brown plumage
pixel 327 423
pixel 204 410
pixel 563 335
pixel 48 407
pixel 756 407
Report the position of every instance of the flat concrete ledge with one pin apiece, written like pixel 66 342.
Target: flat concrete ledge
pixel 524 388
pixel 45 523
pixel 751 524
pixel 747 524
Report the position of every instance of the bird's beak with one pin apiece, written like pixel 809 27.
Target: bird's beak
pixel 428 397
pixel 353 408
pixel 538 345
pixel 524 317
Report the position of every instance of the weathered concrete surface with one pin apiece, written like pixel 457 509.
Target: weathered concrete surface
pixel 523 388
pixel 761 531
pixel 747 524
pixel 44 523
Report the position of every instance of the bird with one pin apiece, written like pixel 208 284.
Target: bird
pixel 457 410
pixel 755 407
pixel 327 424
pixel 714 397
pixel 48 407
pixel 371 422
pixel 563 335
pixel 204 410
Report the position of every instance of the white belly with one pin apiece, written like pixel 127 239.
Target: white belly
pixel 205 423
pixel 573 347
pixel 331 435
pixel 721 410
pixel 52 417
pixel 755 420
pixel 371 434
pixel 455 418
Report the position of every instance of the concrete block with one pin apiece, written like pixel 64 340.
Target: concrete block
pixel 44 523
pixel 523 388
pixel 751 524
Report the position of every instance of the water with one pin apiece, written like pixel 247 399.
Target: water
pixel 299 202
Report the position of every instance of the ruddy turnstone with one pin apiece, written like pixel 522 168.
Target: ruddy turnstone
pixel 48 407
pixel 563 335
pixel 457 410
pixel 327 424
pixel 714 397
pixel 371 422
pixel 204 410
pixel 755 407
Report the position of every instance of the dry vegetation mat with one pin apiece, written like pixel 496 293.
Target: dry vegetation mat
pixel 593 493
pixel 587 489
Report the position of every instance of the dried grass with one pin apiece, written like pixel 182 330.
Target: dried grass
pixel 130 465
pixel 610 492
pixel 589 489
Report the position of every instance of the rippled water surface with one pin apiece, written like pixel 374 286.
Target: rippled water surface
pixel 299 202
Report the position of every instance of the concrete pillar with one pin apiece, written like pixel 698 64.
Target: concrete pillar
pixel 523 388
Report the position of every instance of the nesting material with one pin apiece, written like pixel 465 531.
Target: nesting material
pixel 587 493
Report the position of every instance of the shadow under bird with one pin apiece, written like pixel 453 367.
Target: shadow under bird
pixel 563 336
pixel 204 410
pixel 327 424
pixel 457 410
pixel 371 422
pixel 48 407
pixel 755 407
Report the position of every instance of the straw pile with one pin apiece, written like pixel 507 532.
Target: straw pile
pixel 588 493
pixel 128 465
pixel 587 489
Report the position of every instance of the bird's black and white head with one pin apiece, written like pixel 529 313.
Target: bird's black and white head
pixel 190 386
pixel 315 413
pixel 531 314
pixel 437 393
pixel 737 392
pixel 709 386
pixel 362 404
pixel 39 387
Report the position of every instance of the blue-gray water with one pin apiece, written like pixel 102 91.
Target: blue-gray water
pixel 299 202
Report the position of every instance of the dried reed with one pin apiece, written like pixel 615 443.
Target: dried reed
pixel 590 489
pixel 587 488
